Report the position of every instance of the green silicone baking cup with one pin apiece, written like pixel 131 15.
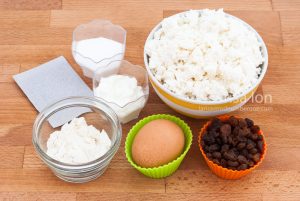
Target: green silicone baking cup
pixel 171 167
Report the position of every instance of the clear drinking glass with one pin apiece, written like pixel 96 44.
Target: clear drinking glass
pixel 130 110
pixel 96 54
pixel 100 115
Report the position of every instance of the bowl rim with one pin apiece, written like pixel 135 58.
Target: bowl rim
pixel 264 65
pixel 155 117
pixel 85 102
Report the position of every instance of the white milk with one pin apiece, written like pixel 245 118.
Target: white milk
pixel 93 53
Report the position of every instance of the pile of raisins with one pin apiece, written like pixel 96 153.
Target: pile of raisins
pixel 234 144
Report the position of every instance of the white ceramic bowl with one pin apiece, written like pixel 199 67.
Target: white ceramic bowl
pixel 198 108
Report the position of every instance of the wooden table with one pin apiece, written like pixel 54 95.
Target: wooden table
pixel 35 31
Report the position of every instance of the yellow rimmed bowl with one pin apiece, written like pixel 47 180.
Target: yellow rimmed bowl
pixel 198 108
pixel 171 167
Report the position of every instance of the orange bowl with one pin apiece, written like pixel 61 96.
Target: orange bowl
pixel 226 173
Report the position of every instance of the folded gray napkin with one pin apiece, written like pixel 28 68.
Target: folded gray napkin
pixel 51 82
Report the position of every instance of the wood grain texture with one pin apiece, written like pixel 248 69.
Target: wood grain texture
pixel 31 4
pixel 169 4
pixel 286 5
pixel 31 196
pixel 167 196
pixel 24 19
pixel 33 32
pixel 11 157
pixel 42 180
pixel 290 22
pixel 197 181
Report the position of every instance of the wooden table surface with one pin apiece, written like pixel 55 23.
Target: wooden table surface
pixel 35 31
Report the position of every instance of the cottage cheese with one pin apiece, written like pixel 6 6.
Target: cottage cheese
pixel 78 143
pixel 205 56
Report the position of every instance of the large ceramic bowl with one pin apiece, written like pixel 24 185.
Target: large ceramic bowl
pixel 198 108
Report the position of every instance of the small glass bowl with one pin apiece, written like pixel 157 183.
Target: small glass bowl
pixel 96 29
pixel 130 110
pixel 100 115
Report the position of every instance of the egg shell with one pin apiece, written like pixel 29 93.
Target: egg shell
pixel 157 143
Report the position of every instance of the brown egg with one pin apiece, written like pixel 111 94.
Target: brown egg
pixel 157 143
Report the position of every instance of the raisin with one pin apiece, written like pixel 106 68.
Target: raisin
pixel 231 167
pixel 244 152
pixel 216 161
pixel 244 131
pixel 217 154
pixel 233 121
pixel 215 124
pixel 233 163
pixel 224 138
pixel 242 159
pixel 242 123
pixel 230 140
pixel 234 143
pixel 214 147
pixel 250 144
pixel 260 137
pixel 219 141
pixel 253 151
pixel 241 145
pixel 256 157
pixel 225 129
pixel 209 140
pixel 214 133
pixel 223 162
pixel 260 145
pixel 229 155
pixel 250 163
pixel 225 148
pixel 241 138
pixel 255 129
pixel 249 122
pixel 243 167
pixel 236 131
pixel 254 136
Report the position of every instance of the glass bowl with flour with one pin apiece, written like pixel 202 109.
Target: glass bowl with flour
pixel 96 44
pixel 80 150
pixel 125 90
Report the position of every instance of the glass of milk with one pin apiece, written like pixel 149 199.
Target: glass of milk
pixel 96 44
pixel 125 88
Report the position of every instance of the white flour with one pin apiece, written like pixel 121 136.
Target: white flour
pixel 78 143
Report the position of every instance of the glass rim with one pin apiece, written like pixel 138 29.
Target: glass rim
pixel 116 104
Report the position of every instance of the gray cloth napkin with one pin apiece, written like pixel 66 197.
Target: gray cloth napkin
pixel 51 82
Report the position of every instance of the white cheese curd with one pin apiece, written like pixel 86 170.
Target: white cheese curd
pixel 207 56
pixel 123 95
pixel 78 143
